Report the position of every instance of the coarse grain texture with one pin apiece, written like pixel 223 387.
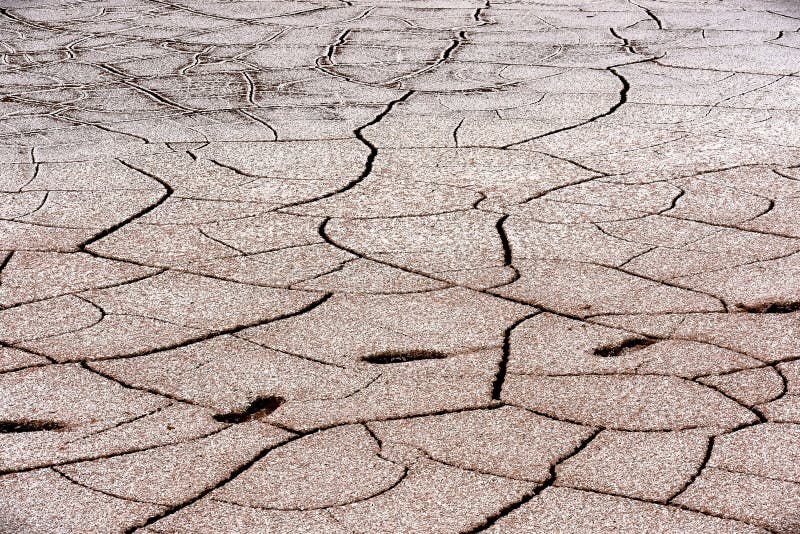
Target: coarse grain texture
pixel 434 266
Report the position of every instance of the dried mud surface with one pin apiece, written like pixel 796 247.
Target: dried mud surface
pixel 429 266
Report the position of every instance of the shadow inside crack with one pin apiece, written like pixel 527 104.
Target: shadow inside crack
pixel 770 307
pixel 258 409
pixel 383 358
pixel 629 345
pixel 13 427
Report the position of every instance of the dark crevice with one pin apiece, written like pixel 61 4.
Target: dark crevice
pixel 623 348
pixel 501 231
pixel 257 410
pixel 759 417
pixel 6 13
pixel 769 208
pixel 784 383
pixel 730 226
pixel 448 52
pixel 504 511
pixel 29 425
pixel 637 255
pixel 491 405
pixel 374 436
pixel 673 203
pixel 665 283
pixel 239 171
pixel 770 307
pixel 262 406
pixel 155 96
pixel 390 357
pixel 76 292
pixel 292 354
pixel 475 470
pixel 497 385
pixel 323 274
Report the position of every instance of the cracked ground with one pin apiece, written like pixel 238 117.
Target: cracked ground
pixel 436 266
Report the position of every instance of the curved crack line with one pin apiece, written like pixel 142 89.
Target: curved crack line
pixel 119 424
pixel 497 384
pixel 539 307
pixel 703 463
pixel 623 98
pixel 114 454
pixel 217 333
pixel 396 483
pixel 143 389
pixel 489 405
pixel 650 14
pixel 368 164
pixel 232 475
pixel 168 191
pixel 673 506
pixel 626 44
pixel 102 492
pixel 77 291
pixel 432 457
pixel 506 510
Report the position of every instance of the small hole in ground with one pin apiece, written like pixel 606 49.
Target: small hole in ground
pixel 258 409
pixel 11 427
pixel 382 358
pixel 629 345
pixel 771 307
